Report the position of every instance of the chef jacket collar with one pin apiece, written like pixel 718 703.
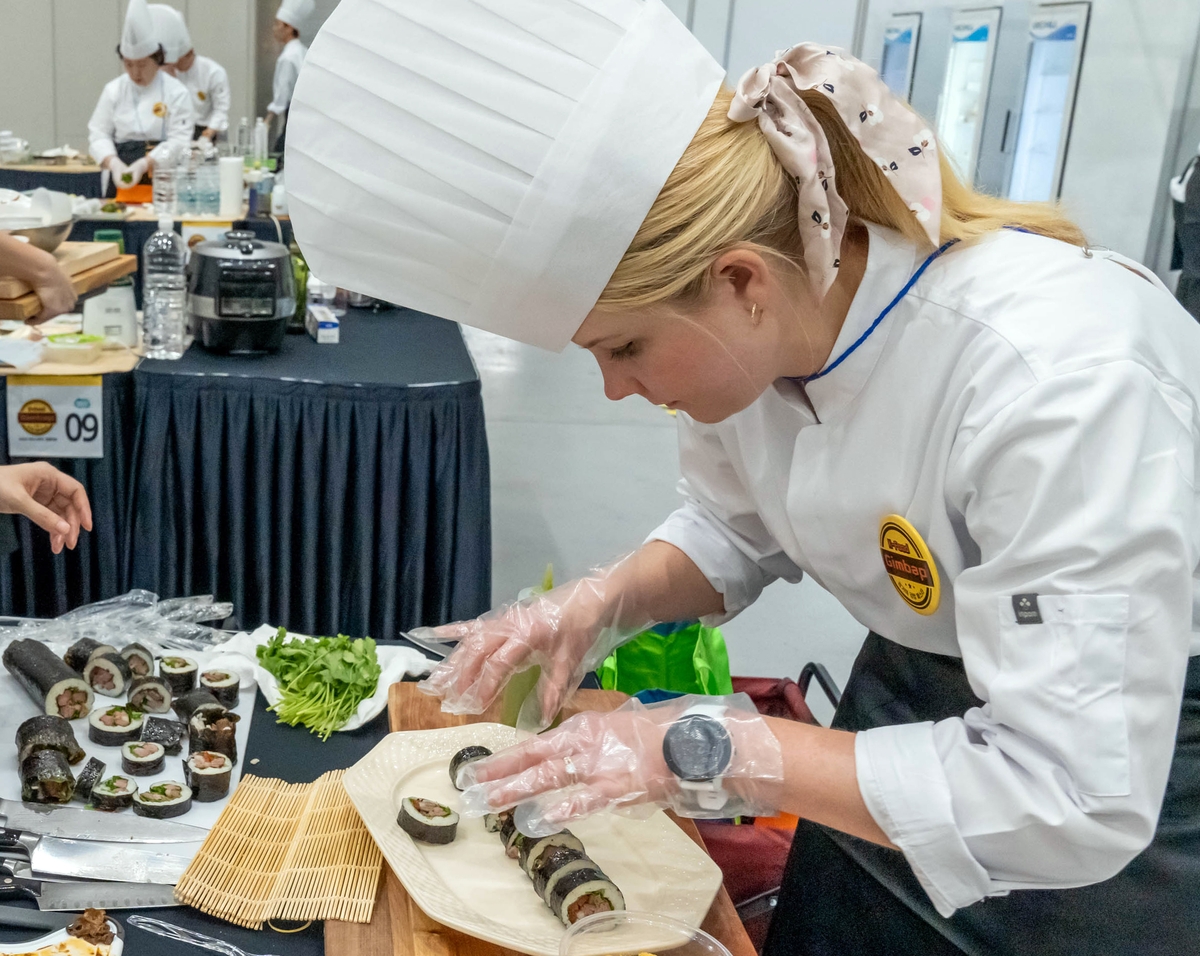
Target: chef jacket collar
pixel 891 260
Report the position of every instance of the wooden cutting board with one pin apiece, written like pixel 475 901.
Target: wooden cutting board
pixel 399 928
pixel 73 258
pixel 29 305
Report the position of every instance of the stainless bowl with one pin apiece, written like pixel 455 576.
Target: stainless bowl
pixel 49 237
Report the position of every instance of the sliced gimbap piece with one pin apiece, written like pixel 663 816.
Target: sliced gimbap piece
pixel 48 732
pixel 427 820
pixel 208 773
pixel 88 777
pixel 491 822
pixel 223 685
pixel 462 758
pixel 161 800
pixel 583 893
pixel 114 726
pixel 142 758
pixel 82 651
pixel 556 863
pixel 141 661
pixel 533 847
pixel 179 673
pixel 150 694
pixel 187 704
pixel 54 686
pixel 510 836
pixel 46 778
pixel 108 674
pixel 115 793
pixel 169 733
pixel 213 730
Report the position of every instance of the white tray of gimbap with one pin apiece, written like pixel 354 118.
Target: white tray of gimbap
pixel 471 884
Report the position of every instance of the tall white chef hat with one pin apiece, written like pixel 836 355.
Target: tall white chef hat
pixel 138 37
pixel 172 31
pixel 489 161
pixel 295 13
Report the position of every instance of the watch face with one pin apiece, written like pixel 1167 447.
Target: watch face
pixel 697 748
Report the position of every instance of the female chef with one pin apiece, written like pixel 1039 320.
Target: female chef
pixel 143 116
pixel 978 433
pixel 206 81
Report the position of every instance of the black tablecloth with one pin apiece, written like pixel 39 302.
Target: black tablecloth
pixel 326 488
pixel 81 184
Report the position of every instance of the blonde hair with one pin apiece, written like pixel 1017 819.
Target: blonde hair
pixel 729 190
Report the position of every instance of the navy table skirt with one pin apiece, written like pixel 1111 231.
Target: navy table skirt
pixel 328 488
pixel 60 179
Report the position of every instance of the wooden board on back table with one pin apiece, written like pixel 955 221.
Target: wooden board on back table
pixel 29 305
pixel 73 258
pixel 399 928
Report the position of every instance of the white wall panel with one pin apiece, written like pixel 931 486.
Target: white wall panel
pixel 710 24
pixel 762 27
pixel 86 34
pixel 223 30
pixel 26 80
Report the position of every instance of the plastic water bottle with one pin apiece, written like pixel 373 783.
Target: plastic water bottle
pixel 164 293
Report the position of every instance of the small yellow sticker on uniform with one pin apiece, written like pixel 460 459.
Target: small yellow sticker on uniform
pixel 909 563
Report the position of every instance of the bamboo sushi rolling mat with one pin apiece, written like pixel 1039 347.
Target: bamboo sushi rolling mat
pixel 293 851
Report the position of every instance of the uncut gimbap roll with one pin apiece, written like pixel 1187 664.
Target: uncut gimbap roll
pixel 48 732
pixel 88 777
pixel 223 685
pixel 53 686
pixel 533 847
pixel 46 778
pixel 187 704
pixel 427 820
pixel 82 651
pixel 179 673
pixel 208 774
pixel 150 694
pixel 556 863
pixel 462 758
pixel 141 661
pixel 113 726
pixel 142 758
pixel 115 793
pixel 583 893
pixel 212 730
pixel 108 674
pixel 161 800
pixel 169 733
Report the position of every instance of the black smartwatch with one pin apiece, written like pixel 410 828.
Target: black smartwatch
pixel 698 751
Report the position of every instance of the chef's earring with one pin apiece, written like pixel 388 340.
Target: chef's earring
pixel 754 319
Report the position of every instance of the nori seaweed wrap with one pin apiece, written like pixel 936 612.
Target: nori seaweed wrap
pixel 88 777
pixel 141 661
pixel 82 651
pixel 150 695
pixel 556 863
pixel 113 726
pixel 462 758
pixel 108 674
pixel 115 793
pixel 187 704
pixel 169 733
pixel 582 893
pixel 169 798
pixel 52 685
pixel 427 820
pixel 533 847
pixel 141 758
pixel 223 685
pixel 210 730
pixel 208 774
pixel 178 672
pixel 46 778
pixel 48 732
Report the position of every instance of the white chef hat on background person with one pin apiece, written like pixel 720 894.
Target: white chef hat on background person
pixel 295 13
pixel 171 30
pixel 489 161
pixel 139 39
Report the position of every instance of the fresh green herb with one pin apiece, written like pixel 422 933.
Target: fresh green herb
pixel 322 680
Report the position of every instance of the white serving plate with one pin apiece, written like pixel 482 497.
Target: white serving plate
pixel 471 885
pixel 67 944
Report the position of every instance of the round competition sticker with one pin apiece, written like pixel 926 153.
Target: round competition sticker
pixel 909 564
pixel 36 417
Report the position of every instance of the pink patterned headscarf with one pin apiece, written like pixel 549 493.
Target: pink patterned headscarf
pixel 886 128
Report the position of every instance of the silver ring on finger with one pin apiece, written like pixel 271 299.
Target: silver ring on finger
pixel 572 773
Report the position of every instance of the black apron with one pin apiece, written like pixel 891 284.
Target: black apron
pixel 1187 227
pixel 842 895
pixel 129 152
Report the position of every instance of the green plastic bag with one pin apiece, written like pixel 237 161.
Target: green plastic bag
pixel 687 658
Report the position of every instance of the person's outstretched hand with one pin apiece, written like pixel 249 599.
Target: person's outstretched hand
pixel 51 500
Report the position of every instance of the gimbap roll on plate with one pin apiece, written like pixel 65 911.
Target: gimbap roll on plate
pixel 141 661
pixel 427 820
pixel 533 847
pixel 583 893
pixel 208 773
pixel 115 793
pixel 54 686
pixel 223 685
pixel 213 730
pixel 179 673
pixel 187 704
pixel 113 726
pixel 46 778
pixel 150 694
pixel 88 777
pixel 142 758
pixel 82 651
pixel 510 836
pixel 48 732
pixel 462 758
pixel 108 674
pixel 556 863
pixel 161 800
pixel 169 733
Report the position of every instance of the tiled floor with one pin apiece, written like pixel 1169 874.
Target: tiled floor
pixel 578 480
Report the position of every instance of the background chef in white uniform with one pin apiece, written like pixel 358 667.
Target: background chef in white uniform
pixel 206 80
pixel 143 116
pixel 290 20
pixel 978 434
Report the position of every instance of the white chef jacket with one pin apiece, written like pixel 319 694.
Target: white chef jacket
pixel 287 68
pixel 1032 410
pixel 125 111
pixel 208 88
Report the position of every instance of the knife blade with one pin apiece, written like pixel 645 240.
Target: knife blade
pixel 117 862
pixel 66 897
pixel 34 919
pixel 438 649
pixel 75 823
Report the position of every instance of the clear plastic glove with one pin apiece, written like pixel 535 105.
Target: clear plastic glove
pixel 567 631
pixel 616 760
pixel 137 171
pixel 118 170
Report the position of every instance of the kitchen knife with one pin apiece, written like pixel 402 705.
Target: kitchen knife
pixel 90 860
pixel 75 823
pixel 34 919
pixel 438 649
pixel 55 897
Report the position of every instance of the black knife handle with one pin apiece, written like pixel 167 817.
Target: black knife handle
pixel 14 888
pixel 11 840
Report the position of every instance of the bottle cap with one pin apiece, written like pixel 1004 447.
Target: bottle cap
pixel 166 224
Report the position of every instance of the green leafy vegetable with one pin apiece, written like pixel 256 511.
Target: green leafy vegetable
pixel 322 680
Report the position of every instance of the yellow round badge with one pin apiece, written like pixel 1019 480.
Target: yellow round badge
pixel 36 417
pixel 909 564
